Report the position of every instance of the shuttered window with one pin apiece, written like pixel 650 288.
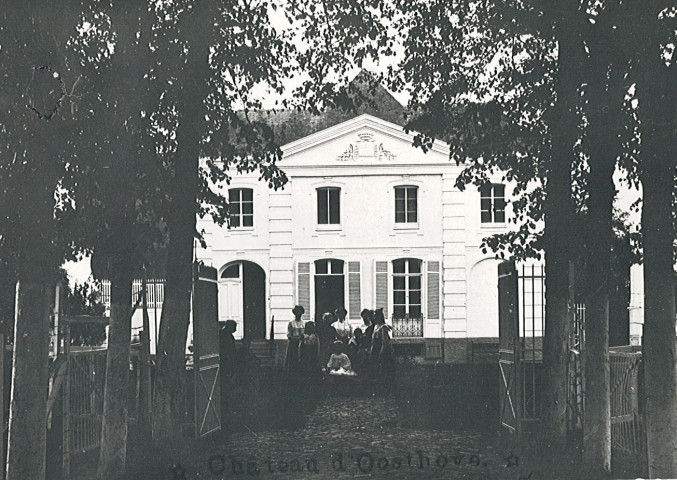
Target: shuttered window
pixel 407 287
pixel 303 288
pixel 434 290
pixel 354 290
pixel 381 283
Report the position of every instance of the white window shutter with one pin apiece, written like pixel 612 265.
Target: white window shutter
pixel 303 288
pixel 434 290
pixel 354 290
pixel 382 287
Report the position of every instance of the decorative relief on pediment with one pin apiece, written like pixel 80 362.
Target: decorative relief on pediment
pixel 366 148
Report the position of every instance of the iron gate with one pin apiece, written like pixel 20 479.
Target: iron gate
pixel 206 351
pixel 628 435
pixel 521 307
pixel 508 346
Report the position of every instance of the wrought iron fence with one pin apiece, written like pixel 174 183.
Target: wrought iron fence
pixel 87 375
pixel 407 326
pixel 628 435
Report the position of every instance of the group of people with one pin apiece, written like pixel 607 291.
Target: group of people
pixel 333 346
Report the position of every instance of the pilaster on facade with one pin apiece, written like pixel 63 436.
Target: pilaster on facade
pixel 281 274
pixel 453 251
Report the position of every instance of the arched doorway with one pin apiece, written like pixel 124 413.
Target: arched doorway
pixel 483 299
pixel 242 297
pixel 329 286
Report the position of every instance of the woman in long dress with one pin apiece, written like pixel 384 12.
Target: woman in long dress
pixel 295 330
pixel 381 348
pixel 309 355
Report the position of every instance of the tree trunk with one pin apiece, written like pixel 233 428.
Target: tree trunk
pixel 26 456
pixel 604 145
pixel 559 214
pixel 168 393
pixel 657 175
pixel 113 452
pixel 659 316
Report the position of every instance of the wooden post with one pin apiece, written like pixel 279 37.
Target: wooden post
pixel 2 403
pixel 144 361
pixel 66 430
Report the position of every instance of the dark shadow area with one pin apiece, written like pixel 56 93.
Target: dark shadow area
pixel 448 396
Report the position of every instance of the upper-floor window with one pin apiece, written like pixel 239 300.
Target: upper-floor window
pixel 407 287
pixel 406 204
pixel 241 207
pixel 329 206
pixel 492 203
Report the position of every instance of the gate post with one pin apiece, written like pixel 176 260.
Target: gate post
pixel 66 407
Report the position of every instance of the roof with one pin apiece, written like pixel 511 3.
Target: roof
pixel 369 96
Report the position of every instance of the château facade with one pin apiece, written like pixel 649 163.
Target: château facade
pixel 366 220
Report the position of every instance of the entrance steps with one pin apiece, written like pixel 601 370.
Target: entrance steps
pixel 262 350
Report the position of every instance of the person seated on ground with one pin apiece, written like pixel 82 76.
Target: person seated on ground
pixel 339 363
pixel 343 329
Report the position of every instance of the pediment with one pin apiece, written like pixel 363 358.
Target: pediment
pixel 364 140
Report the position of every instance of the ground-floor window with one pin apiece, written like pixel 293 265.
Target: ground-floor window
pixel 407 285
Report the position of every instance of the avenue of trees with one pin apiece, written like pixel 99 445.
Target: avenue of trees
pixel 556 96
pixel 118 118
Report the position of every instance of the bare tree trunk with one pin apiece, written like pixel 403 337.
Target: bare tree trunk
pixel 26 456
pixel 559 214
pixel 604 145
pixel 113 452
pixel 168 392
pixel 659 316
pixel 658 235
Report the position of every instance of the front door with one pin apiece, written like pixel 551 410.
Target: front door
pixel 329 286
pixel 242 297
pixel 230 295
pixel 254 301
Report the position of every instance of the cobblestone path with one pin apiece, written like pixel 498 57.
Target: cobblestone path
pixel 349 437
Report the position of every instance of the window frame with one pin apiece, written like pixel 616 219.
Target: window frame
pixel 407 224
pixel 407 275
pixel 241 215
pixel 492 198
pixel 328 189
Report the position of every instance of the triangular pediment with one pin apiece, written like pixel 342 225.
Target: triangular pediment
pixel 364 140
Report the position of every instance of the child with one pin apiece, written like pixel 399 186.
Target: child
pixel 339 363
